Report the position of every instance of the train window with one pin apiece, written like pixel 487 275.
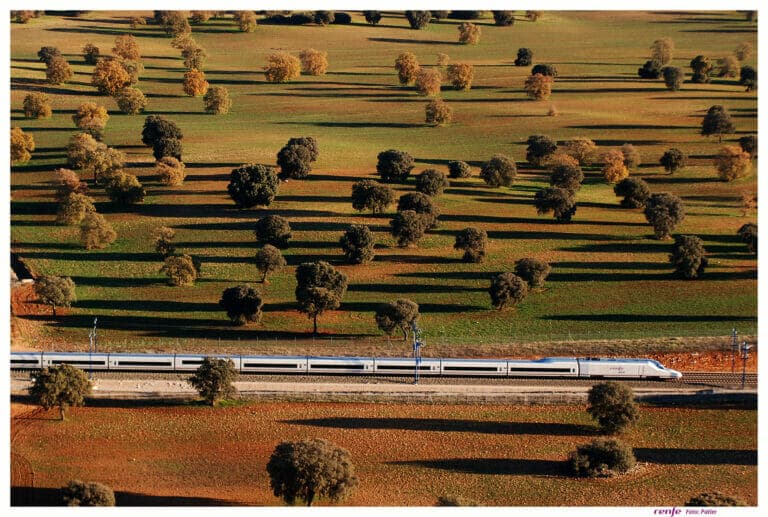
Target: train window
pixel 25 361
pixel 191 361
pixel 74 361
pixel 544 370
pixel 143 363
pixel 471 369
pixel 339 366
pixel 270 365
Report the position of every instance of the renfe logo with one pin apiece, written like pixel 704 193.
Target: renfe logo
pixel 667 511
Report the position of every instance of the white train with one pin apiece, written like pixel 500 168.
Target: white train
pixel 548 367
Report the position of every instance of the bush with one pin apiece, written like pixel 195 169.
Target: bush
pixel 91 53
pixel 717 122
pixel 408 227
pixel 507 290
pixel 612 404
pixel 110 76
pixel 662 50
pixel 428 81
pixel 524 57
pixel 319 288
pixel 268 260
pixel 431 182
pixel 533 271
pixel 253 184
pixel 170 171
pixel 538 87
pixel 369 195
pixel 37 105
pixel 714 499
pixel 635 192
pixel 749 144
pixel 540 149
pixel 73 209
pixel 407 68
pixel 242 303
pixel 664 212
pixel 180 270
pixel 246 20
pixel 131 101
pixel 650 70
pixel 748 78
pixel 469 33
pixel 437 113
pixel 559 201
pixel 22 145
pixel 421 204
pixel 499 171
pixel 47 53
pixel 167 147
pixel 614 168
pixel 90 116
pixel 701 67
pixel 313 62
pixel 55 291
pixel 96 232
pixel 282 67
pixel 582 149
pixel 357 244
pixel 418 19
pixel 461 75
pixel 213 379
pixel 163 239
pixel 397 315
pixel 567 176
pixel 673 77
pixel 545 69
pixel 126 47
pixel 194 83
pixel 58 71
pixel 372 17
pixel 688 257
pixel 601 458
pixel 342 19
pixel 79 493
pixel 732 162
pixel 394 166
pixel 504 18
pixel 459 169
pixel 324 17
pixel 748 234
pixel 157 127
pixel 673 160
pixel 274 230
pixel 125 189
pixel 473 242
pixel 216 100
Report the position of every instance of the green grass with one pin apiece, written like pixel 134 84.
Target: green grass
pixel 610 278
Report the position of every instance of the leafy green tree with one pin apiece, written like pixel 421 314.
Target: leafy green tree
pixel 601 458
pixel 673 160
pixel 167 147
pixel 567 176
pixel 701 67
pixel 749 144
pixel 461 75
pixel 56 291
pixel 309 143
pixel 650 70
pixel 372 17
pixel 504 18
pixel 748 234
pixel 213 379
pixel 583 150
pixel 37 105
pixel 274 230
pixel 418 19
pixel 507 290
pixel 524 57
pixel 324 17
pixel 370 195
pixel 499 171
pixel 216 100
pixel 717 122
pixel 62 386
pixel 357 244
pixel 125 189
pixel 407 67
pixel 319 288
pixel 540 149
pixel 96 232
pixel 559 201
pixel 631 156
pixel 635 192
pixel 421 204
pixel 473 242
pixel 58 71
pixel 431 182
pixel 394 166
pixel 294 161
pixel 180 270
pixel 664 212
pixel 469 33
pixel 47 53
pixel 80 150
pixel 438 113
pixel 73 209
pixel 131 101
pixel 163 239
pixel 397 315
pixel 613 405
pixel 268 260
pixel 714 499
pixel 748 78
pixel 532 270
pixel 408 227
pixel 544 69
pixel 253 184
pixel 459 169
pixel 688 256
pixel 242 303
pixel 80 493
pixel 310 469
pixel 157 127
pixel 673 77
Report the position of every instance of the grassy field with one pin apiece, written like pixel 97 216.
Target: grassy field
pixel 495 455
pixel 611 278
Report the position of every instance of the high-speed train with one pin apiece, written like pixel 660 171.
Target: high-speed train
pixel 589 367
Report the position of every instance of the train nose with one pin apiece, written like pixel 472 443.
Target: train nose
pixel 675 374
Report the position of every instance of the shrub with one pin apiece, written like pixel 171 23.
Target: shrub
pixel 567 176
pixel 131 101
pixel 110 76
pixel 650 70
pixel 461 75
pixel 428 81
pixel 357 244
pixel 473 242
pixel 68 182
pixel 313 62
pixel 524 57
pixel 408 227
pixel 372 17
pixel 22 145
pixel 47 53
pixel 662 49
pixel 748 78
pixel 58 71
pixel 253 184
pixel 714 499
pixel 407 68
pixel 126 47
pixel 469 33
pixel 748 234
pixel 544 69
pixel 324 17
pixel 614 168
pixel 369 195
pixel 673 160
pixel 533 271
pixel 422 205
pixel 157 127
pixel 319 288
pixel 397 315
pixel 90 116
pixel 216 100
pixel 743 51
pixel 635 192
pixel 688 257
pixel 73 209
pixel 431 182
pixel 673 77
pixel 342 19
pixel 701 67
pixel 540 149
pixel 195 83
pixel 664 212
pixel 499 171
pixel 96 232
pixel 167 147
pixel 459 169
pixel 418 19
pixel 91 53
pixel 728 66
pixel 268 260
pixel 282 67
pixel 717 122
pixel 438 113
pixel 213 379
pixel 170 171
pixel 732 162
pixel 246 20
pixel 125 189
pixel 749 144
pixel 180 270
pixel 394 166
pixel 163 239
pixel 631 156
pixel 274 230
pixel 559 201
pixel 80 493
pixel 538 87
pixel 504 18
pixel 612 404
pixel 507 290
pixel 37 105
pixel 601 458
pixel 310 469
pixel 582 149
pixel 243 304
pixel 55 291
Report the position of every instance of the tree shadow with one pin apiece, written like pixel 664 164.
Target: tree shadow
pixel 38 496
pixel 649 318
pixel 358 125
pixel 405 288
pixel 631 127
pixel 415 259
pixel 413 41
pixel 90 255
pixel 452 275
pixel 677 180
pixel 696 456
pixel 90 29
pixel 148 305
pixel 492 466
